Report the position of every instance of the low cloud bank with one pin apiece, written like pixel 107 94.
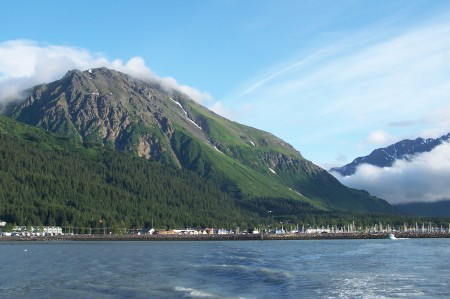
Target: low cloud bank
pixel 24 64
pixel 425 178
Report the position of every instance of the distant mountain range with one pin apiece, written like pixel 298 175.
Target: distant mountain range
pixel 385 157
pixel 438 208
pixel 103 108
pixel 405 150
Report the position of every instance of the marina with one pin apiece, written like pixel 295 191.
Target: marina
pixel 230 237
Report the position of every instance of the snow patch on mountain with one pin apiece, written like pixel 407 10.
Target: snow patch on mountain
pixel 296 192
pixel 215 147
pixel 186 114
pixel 179 104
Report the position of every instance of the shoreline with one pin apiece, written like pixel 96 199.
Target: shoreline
pixel 318 236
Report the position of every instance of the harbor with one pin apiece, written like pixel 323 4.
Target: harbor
pixel 228 237
pixel 291 232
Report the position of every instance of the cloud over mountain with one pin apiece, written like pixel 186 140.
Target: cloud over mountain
pixel 369 86
pixel 24 64
pixel 422 179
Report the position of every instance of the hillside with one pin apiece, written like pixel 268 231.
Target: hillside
pixel 49 180
pixel 108 109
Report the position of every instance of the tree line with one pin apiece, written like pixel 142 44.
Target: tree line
pixel 42 186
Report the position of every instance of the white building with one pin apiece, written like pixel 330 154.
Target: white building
pixel 52 230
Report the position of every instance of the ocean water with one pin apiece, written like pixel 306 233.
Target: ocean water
pixel 413 268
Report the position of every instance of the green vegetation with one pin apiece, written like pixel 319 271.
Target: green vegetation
pixel 44 180
pixel 48 180
pixel 230 173
pixel 264 166
pixel 100 111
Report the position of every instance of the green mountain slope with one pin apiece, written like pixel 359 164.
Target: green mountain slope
pixel 101 107
pixel 49 180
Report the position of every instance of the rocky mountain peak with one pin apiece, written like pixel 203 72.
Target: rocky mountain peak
pixel 386 157
pixel 105 108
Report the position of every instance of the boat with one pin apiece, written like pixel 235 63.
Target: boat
pixel 392 237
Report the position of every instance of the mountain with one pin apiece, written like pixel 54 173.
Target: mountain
pixel 385 157
pixel 108 109
pixel 49 180
pixel 439 208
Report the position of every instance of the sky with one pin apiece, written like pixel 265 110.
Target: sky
pixel 336 79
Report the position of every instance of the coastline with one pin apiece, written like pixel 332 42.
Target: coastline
pixel 230 237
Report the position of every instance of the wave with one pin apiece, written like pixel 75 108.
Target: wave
pixel 194 293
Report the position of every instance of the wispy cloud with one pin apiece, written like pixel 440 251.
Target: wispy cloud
pixel 24 64
pixel 422 179
pixel 403 123
pixel 219 108
pixel 379 138
pixel 358 83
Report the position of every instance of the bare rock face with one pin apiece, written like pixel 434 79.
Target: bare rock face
pixel 99 114
pixel 101 106
pixel 149 147
pixel 144 148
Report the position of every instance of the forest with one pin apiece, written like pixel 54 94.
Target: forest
pixel 96 187
pixel 47 180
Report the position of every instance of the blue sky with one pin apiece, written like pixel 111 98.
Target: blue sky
pixel 336 79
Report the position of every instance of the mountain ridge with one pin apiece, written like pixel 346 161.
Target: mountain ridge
pixel 439 208
pixel 102 107
pixel 386 157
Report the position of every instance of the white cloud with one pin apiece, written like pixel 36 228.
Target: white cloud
pixel 423 179
pixel 356 83
pixel 439 122
pixel 379 138
pixel 24 64
pixel 222 110
pixel 381 81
